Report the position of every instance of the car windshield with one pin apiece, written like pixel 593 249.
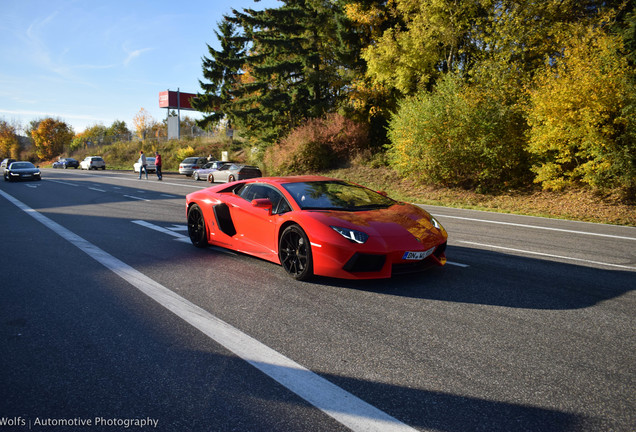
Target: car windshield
pixel 22 165
pixel 336 195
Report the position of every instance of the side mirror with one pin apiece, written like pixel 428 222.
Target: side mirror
pixel 263 203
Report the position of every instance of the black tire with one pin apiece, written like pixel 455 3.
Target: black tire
pixel 196 227
pixel 211 178
pixel 294 252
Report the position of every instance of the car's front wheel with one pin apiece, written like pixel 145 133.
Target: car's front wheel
pixel 196 227
pixel 195 176
pixel 294 252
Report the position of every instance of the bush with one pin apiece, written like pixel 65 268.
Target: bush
pixel 583 116
pixel 459 135
pixel 319 144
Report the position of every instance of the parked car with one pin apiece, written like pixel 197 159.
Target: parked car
pixel 150 165
pixel 317 226
pixel 66 163
pixel 188 165
pixel 231 172
pixel 22 170
pixel 93 162
pixel 203 172
pixel 5 164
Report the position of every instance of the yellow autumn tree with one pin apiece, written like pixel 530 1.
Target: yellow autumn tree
pixel 143 123
pixel 9 146
pixel 583 115
pixel 50 137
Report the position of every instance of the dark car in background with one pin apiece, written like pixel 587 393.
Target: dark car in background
pixel 231 172
pixel 22 170
pixel 66 163
pixel 188 165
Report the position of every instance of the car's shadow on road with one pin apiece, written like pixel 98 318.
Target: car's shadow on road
pixel 499 279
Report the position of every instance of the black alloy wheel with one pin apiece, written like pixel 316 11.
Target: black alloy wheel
pixel 196 227
pixel 294 252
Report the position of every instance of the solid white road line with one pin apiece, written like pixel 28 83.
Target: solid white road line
pixel 346 408
pixel 546 255
pixel 536 227
pixel 137 198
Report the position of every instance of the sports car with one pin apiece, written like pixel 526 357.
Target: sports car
pixel 230 172
pixel 314 225
pixel 22 170
pixel 66 163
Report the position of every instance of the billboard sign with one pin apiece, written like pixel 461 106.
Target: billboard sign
pixel 176 100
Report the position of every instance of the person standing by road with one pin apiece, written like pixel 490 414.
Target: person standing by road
pixel 158 165
pixel 143 165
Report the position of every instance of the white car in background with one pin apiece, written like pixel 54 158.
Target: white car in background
pixel 150 165
pixel 93 162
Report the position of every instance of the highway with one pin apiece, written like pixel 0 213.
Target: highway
pixel 111 320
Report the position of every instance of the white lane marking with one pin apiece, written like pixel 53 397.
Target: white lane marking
pixel 136 179
pixel 169 196
pixel 457 264
pixel 178 227
pixel 536 227
pixel 62 182
pixel 160 229
pixel 546 255
pixel 97 189
pixel 343 406
pixel 137 198
pixel 32 186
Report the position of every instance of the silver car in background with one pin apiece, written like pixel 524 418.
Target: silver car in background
pixel 231 172
pixel 188 165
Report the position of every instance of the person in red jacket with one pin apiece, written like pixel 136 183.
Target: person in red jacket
pixel 158 165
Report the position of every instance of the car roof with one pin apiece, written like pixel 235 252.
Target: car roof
pixel 293 179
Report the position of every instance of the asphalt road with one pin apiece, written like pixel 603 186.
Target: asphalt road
pixel 110 320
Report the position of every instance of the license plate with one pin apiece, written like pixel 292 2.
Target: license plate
pixel 417 256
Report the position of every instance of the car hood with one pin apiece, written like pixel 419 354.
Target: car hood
pixel 398 221
pixel 25 170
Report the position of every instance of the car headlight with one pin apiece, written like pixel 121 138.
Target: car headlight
pixel 353 235
pixel 436 224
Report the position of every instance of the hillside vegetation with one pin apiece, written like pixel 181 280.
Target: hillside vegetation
pixel 582 203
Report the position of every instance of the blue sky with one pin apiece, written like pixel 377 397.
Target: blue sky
pixel 91 62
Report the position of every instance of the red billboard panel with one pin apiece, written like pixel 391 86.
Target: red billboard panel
pixel 176 100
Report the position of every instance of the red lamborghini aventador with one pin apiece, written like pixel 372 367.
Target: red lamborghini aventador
pixel 317 226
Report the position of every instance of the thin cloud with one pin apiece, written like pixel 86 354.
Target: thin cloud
pixel 133 55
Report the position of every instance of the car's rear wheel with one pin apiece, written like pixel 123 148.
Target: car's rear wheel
pixel 230 178
pixel 196 227
pixel 211 178
pixel 294 252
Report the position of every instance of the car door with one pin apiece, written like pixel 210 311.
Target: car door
pixel 257 227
